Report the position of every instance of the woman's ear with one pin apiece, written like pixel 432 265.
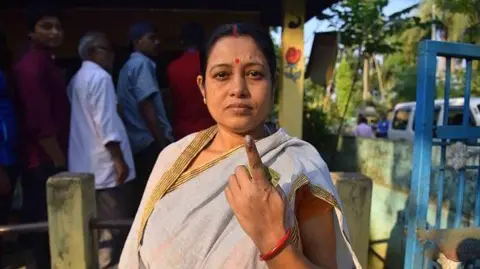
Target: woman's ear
pixel 201 86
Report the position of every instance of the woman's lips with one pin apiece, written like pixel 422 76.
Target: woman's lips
pixel 239 108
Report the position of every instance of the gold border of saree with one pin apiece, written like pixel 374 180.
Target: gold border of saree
pixel 317 191
pixel 171 175
pixel 174 177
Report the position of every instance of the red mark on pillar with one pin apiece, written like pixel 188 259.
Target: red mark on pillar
pixel 235 31
pixel 237 61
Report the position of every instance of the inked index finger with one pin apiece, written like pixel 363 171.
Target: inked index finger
pixel 254 161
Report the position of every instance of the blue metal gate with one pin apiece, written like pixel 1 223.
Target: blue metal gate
pixel 456 141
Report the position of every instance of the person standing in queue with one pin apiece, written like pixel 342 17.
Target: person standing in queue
pixel 363 129
pixel 382 126
pixel 190 111
pixel 44 115
pixel 141 102
pixel 9 171
pixel 99 143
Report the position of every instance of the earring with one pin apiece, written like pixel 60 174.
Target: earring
pixel 204 100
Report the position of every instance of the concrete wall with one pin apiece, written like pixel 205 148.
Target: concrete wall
pixel 389 164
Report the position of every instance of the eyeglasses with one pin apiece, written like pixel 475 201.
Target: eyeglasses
pixel 109 50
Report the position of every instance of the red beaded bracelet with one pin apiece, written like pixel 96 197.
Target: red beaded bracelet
pixel 281 244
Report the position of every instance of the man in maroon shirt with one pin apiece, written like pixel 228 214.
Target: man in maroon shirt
pixel 190 114
pixel 44 116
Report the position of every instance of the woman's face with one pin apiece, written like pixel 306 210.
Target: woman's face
pixel 237 86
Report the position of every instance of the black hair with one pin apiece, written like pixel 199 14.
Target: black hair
pixel 259 35
pixel 192 34
pixel 39 10
pixel 361 119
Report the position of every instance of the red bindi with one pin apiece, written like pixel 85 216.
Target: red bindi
pixel 237 61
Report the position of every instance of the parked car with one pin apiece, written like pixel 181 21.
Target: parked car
pixel 402 126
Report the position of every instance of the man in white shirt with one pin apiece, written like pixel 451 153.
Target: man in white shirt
pixel 99 143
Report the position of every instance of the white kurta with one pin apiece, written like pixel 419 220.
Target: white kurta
pixel 94 123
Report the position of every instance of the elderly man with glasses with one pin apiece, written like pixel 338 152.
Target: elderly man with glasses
pixel 99 142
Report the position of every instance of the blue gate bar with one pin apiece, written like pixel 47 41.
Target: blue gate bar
pixel 422 155
pixel 446 143
pixel 446 99
pixel 476 220
pixel 468 167
pixel 466 104
pixel 460 193
pixel 458 132
pixel 443 158
pixel 451 49
pixel 440 186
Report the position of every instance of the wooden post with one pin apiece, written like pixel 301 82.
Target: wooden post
pixel 292 68
pixel 71 206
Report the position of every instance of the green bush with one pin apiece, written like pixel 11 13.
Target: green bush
pixel 315 127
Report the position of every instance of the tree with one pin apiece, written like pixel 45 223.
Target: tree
pixel 343 84
pixel 454 20
pixel 364 27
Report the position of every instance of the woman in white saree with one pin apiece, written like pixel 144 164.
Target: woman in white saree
pixel 236 196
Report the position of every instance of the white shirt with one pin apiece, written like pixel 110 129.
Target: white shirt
pixel 364 130
pixel 94 123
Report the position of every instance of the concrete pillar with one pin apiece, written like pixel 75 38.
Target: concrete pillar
pixel 292 67
pixel 71 206
pixel 355 191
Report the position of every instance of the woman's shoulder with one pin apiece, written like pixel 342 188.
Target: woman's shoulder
pixel 168 156
pixel 298 164
pixel 174 149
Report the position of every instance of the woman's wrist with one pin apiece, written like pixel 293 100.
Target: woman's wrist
pixel 270 239
pixel 279 247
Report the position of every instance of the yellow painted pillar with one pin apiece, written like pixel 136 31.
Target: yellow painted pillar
pixel 71 205
pixel 292 67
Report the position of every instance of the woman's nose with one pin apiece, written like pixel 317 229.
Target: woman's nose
pixel 239 87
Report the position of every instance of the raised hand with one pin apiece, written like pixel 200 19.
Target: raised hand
pixel 258 206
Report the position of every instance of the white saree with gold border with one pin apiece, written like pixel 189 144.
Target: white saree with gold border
pixel 185 222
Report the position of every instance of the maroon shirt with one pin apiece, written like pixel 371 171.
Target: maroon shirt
pixel 42 104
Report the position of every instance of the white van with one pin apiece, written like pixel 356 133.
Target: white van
pixel 402 126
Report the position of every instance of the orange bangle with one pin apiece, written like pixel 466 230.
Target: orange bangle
pixel 281 244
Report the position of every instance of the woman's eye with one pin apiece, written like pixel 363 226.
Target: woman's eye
pixel 254 74
pixel 221 75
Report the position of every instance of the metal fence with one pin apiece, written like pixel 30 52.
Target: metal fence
pixel 36 227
